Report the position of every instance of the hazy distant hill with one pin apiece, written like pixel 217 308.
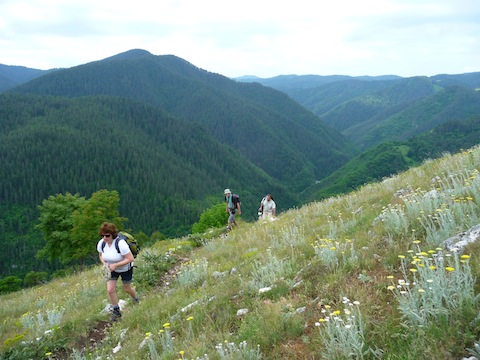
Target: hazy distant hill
pixel 11 76
pixel 289 83
pixel 371 112
pixel 272 131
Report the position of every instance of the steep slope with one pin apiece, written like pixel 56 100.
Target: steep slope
pixel 375 106
pixel 164 168
pixel 272 131
pixel 362 276
pixel 452 103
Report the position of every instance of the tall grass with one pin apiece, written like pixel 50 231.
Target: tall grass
pixel 261 290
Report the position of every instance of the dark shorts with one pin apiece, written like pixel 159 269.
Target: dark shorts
pixel 126 276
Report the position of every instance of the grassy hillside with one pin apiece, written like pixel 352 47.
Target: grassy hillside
pixel 271 130
pixel 364 274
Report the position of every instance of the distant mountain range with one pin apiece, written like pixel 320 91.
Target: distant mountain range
pixel 170 136
pixel 372 110
pixel 11 76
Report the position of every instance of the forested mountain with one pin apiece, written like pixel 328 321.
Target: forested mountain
pixel 371 112
pixel 451 103
pixel 11 76
pixel 393 157
pixel 53 145
pixel 266 126
pixel 166 170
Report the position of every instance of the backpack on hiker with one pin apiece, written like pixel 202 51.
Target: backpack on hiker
pixel 129 239
pixel 235 201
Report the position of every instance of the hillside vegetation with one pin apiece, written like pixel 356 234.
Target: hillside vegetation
pixel 390 158
pixel 271 130
pixel 168 136
pixel 364 275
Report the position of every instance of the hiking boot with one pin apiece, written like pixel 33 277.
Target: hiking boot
pixel 116 314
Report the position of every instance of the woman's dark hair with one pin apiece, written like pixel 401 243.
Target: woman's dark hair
pixel 108 228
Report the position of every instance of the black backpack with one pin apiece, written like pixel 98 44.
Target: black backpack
pixel 131 242
pixel 235 200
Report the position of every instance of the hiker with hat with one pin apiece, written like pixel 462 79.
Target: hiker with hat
pixel 267 208
pixel 232 205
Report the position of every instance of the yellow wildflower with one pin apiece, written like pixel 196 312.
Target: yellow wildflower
pixel 449 268
pixel 413 270
pixel 465 256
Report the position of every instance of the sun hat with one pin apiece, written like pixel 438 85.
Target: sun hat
pixel 227 191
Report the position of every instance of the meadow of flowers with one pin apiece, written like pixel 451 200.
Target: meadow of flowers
pixel 360 276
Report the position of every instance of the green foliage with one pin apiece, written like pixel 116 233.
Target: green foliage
pixel 213 217
pixel 10 284
pixel 56 224
pixel 35 278
pixel 20 241
pixel 102 206
pixel 70 222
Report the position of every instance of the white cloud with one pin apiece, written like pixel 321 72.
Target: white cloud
pixel 264 38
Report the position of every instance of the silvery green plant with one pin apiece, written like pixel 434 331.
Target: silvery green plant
pixel 231 351
pixel 343 333
pixel 269 271
pixel 330 252
pixel 193 273
pixel 395 220
pixel 40 321
pixel 434 286
pixel 291 236
pixel 326 251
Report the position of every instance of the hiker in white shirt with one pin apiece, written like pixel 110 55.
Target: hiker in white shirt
pixel 268 207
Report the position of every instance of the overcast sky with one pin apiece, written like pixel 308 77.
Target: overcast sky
pixel 262 37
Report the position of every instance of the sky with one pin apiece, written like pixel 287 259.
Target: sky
pixel 264 38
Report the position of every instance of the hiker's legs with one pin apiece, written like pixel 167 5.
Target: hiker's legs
pixel 130 290
pixel 127 277
pixel 127 283
pixel 112 294
pixel 231 221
